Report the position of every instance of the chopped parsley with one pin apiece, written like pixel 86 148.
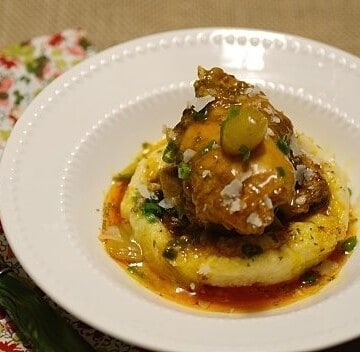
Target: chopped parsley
pixel 309 278
pixel 151 210
pixel 245 152
pixel 349 244
pixel 184 171
pixel 169 155
pixel 283 145
pixel 209 147
pixel 123 176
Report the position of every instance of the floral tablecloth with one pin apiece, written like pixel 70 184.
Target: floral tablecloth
pixel 25 69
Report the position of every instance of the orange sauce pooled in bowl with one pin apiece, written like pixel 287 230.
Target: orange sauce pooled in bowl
pixel 211 298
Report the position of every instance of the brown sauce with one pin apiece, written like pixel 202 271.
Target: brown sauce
pixel 224 299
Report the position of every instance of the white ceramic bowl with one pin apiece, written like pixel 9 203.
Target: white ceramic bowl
pixel 89 123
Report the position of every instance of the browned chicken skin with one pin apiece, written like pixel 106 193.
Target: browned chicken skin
pixel 223 189
pixel 311 188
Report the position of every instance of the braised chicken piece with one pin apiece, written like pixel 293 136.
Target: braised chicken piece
pixel 231 163
pixel 311 188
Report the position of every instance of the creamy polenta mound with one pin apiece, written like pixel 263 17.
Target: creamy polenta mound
pixel 231 196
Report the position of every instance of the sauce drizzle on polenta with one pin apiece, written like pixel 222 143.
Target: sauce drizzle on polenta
pixel 211 298
pixel 233 210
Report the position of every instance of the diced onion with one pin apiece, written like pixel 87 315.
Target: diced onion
pixel 111 233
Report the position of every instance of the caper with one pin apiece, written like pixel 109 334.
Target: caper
pixel 243 127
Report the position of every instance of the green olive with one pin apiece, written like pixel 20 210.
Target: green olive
pixel 243 127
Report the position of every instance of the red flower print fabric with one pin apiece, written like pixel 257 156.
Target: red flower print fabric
pixel 25 69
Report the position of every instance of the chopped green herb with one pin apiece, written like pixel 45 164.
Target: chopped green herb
pixel 309 278
pixel 151 210
pixel 209 147
pixel 150 217
pixel 280 171
pixel 251 250
pixel 350 191
pixel 184 171
pixel 170 253
pixel 122 177
pixel 245 152
pixel 169 155
pixel 349 244
pixel 283 145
